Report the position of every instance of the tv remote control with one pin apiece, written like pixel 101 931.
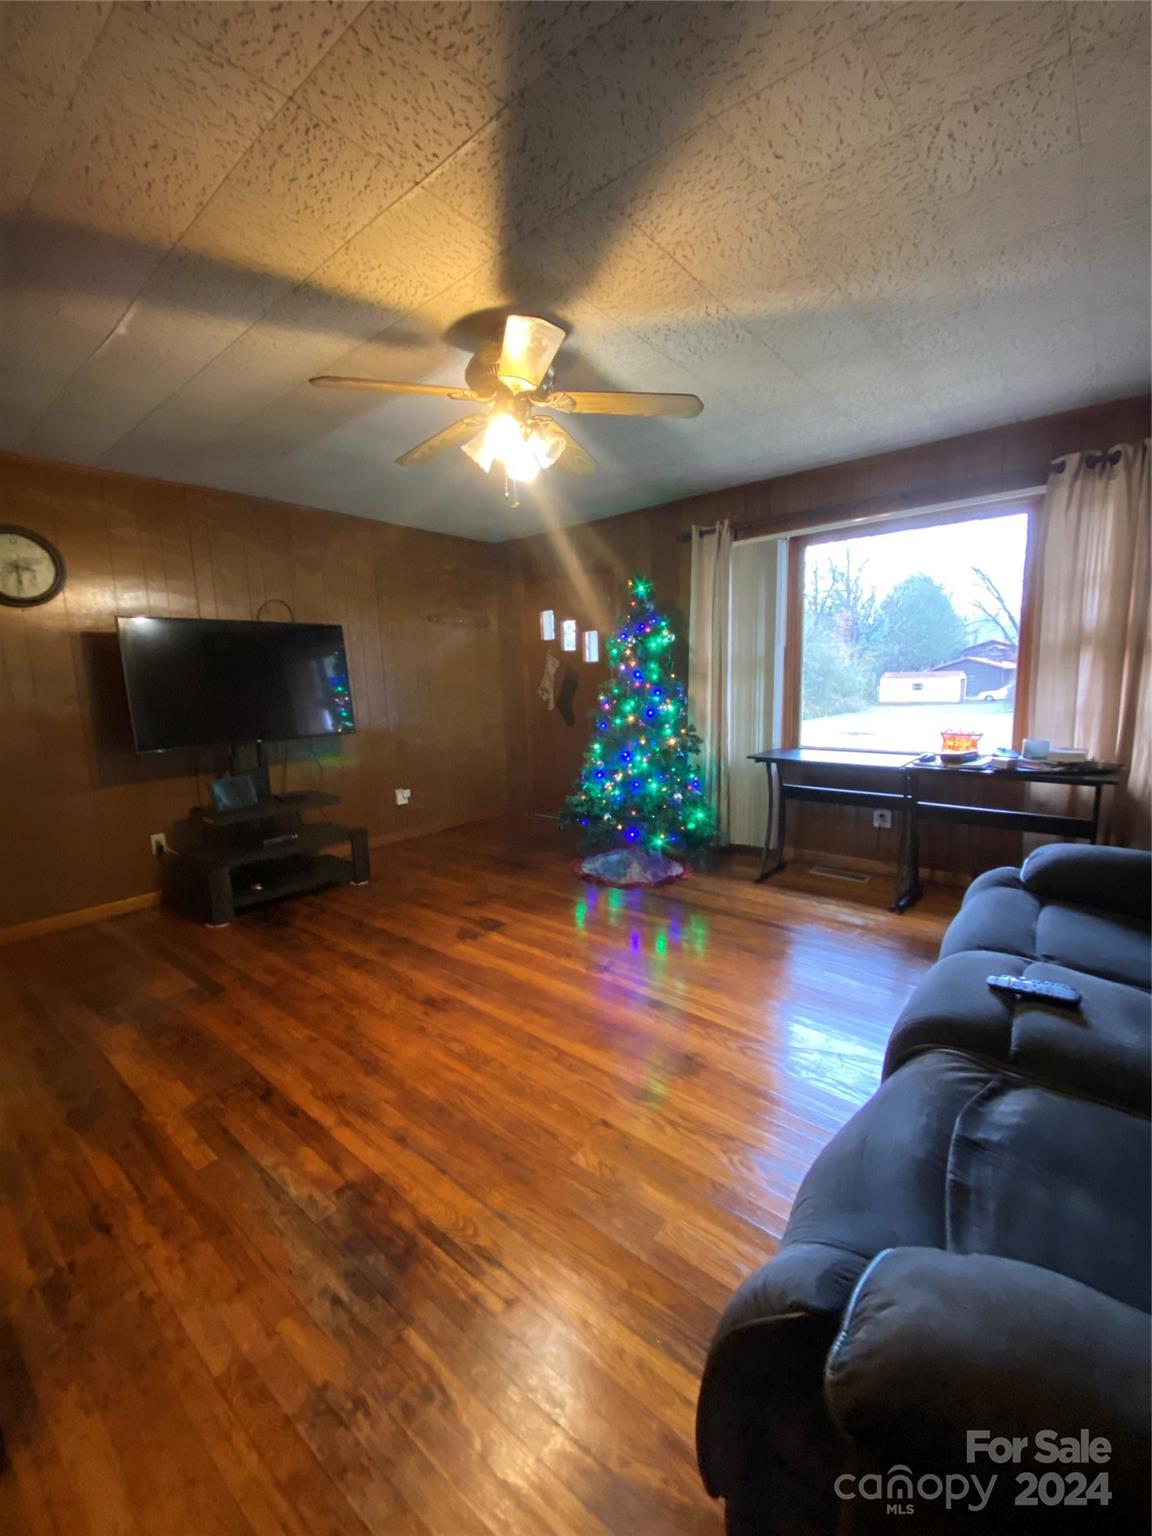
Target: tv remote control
pixel 1043 991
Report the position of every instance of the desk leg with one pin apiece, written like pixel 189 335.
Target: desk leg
pixel 908 889
pixel 775 797
pixel 1097 799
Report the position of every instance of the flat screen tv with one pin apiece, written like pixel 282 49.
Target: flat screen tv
pixel 224 682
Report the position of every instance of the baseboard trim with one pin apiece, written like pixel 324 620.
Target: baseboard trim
pixel 78 919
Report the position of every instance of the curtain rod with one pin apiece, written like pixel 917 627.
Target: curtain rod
pixel 925 495
pixel 1091 461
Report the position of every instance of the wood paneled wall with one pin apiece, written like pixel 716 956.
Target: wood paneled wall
pixel 584 569
pixel 427 656
pixel 443 649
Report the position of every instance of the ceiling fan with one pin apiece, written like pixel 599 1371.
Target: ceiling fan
pixel 512 380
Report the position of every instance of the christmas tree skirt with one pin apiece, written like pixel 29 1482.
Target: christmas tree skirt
pixel 629 867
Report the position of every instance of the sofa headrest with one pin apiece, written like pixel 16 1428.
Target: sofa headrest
pixel 1114 879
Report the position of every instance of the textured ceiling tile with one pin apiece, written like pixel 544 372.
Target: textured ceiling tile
pixel 905 257
pixel 81 274
pixel 39 352
pixel 872 394
pixel 743 48
pixel 120 176
pixel 812 122
pixel 505 47
pixel 30 119
pixel 914 335
pixel 242 379
pixel 1108 23
pixel 1122 340
pixel 153 128
pixel 886 178
pixel 322 324
pixel 296 197
pixel 937 54
pixel 959 380
pixel 806 337
pixel 190 279
pixel 611 105
pixel 428 108
pixel 754 261
pixel 141 67
pixel 690 186
pixel 1118 256
pixel 1112 91
pixel 413 250
pixel 602 354
pixel 785 262
pixel 1053 191
pixel 474 181
pixel 277 43
pixel 1036 260
pixel 47 45
pixel 1020 124
pixel 1117 168
pixel 149 355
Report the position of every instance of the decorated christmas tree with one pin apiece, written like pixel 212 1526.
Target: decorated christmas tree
pixel 640 786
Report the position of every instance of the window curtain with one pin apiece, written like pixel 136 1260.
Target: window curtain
pixel 708 660
pixel 1091 672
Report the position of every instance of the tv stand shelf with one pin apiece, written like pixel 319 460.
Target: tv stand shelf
pixel 265 810
pixel 240 864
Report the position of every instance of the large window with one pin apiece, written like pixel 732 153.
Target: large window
pixel 913 631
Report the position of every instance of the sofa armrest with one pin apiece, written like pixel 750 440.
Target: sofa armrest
pixel 1112 879
pixel 936 1346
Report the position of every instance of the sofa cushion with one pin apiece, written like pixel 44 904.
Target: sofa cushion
pixel 1055 1181
pixel 1115 879
pixel 1100 943
pixel 996 913
pixel 1100 1049
pixel 1000 913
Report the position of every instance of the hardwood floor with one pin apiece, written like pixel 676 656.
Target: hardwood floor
pixel 410 1209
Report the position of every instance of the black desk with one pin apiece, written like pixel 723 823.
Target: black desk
pixel 881 786
pixel 925 802
pixel 890 780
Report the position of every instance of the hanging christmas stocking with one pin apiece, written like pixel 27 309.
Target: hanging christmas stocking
pixel 567 694
pixel 547 688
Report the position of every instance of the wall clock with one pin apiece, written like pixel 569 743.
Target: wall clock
pixel 31 569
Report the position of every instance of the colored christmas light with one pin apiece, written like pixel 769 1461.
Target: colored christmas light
pixel 644 733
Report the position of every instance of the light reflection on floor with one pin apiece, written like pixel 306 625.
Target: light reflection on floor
pixel 844 1066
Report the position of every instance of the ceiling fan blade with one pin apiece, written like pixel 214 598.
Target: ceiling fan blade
pixel 592 402
pixel 454 436
pixel 526 356
pixel 392 387
pixel 575 459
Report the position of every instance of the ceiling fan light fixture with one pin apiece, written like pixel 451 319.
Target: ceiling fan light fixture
pixel 528 350
pixel 506 441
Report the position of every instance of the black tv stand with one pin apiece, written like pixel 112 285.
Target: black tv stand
pixel 259 853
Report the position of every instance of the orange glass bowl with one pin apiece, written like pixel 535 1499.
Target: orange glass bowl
pixel 959 741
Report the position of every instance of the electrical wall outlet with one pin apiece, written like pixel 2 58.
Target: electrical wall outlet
pixel 403 796
pixel 158 843
pixel 882 819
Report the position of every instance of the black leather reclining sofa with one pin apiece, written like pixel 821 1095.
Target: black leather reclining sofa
pixel 970 1254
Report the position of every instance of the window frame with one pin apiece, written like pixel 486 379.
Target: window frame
pixel 1031 503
